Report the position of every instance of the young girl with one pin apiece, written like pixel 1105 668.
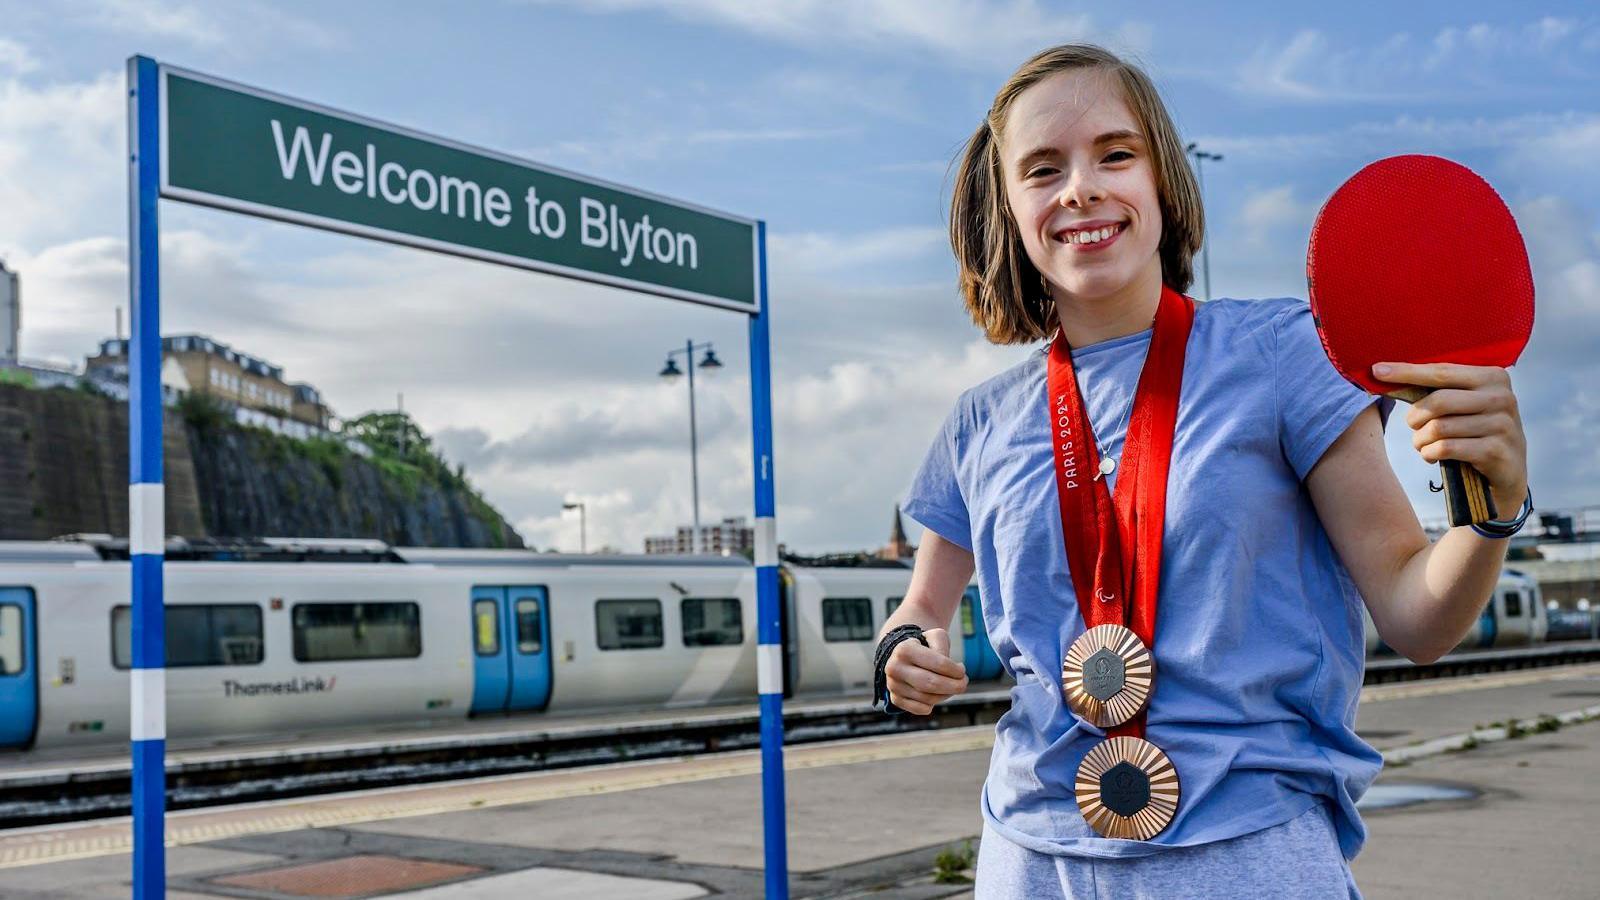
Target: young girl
pixel 1199 483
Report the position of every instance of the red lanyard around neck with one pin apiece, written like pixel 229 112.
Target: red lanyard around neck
pixel 1114 586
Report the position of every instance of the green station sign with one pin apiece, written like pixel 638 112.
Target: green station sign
pixel 239 148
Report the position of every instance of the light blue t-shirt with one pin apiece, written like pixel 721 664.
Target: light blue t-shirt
pixel 1259 644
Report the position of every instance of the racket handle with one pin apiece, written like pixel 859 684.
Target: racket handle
pixel 1466 494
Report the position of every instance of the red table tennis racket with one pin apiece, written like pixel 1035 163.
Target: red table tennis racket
pixel 1416 259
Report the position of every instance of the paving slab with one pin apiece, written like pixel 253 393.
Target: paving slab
pixel 111 877
pixel 556 884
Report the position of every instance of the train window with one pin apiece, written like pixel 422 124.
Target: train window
pixel 627 624
pixel 890 605
pixel 846 619
pixel 486 626
pixel 197 635
pixel 530 631
pixel 11 644
pixel 712 622
pixel 331 632
pixel 966 617
pixel 1513 604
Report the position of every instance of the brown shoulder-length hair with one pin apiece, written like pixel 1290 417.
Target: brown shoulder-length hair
pixel 1002 289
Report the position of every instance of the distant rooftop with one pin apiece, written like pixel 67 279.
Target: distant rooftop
pixel 190 343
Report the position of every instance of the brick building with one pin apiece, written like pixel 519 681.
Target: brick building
pixel 726 538
pixel 212 367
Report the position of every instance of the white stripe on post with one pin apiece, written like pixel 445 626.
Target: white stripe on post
pixel 766 541
pixel 769 669
pixel 147 519
pixel 149 705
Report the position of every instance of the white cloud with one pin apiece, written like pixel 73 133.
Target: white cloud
pixel 235 25
pixel 629 148
pixel 816 253
pixel 1529 144
pixel 16 57
pixel 964 32
pixel 61 161
pixel 1474 61
pixel 1270 215
pixel 183 21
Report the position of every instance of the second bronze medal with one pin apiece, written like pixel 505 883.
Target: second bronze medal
pixel 1107 675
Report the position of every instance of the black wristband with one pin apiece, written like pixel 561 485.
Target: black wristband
pixel 880 659
pixel 1497 528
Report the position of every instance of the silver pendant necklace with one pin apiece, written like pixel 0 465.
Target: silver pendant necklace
pixel 1108 463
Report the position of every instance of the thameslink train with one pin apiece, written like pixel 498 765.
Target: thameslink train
pixel 287 636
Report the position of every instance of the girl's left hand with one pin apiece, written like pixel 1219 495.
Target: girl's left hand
pixel 1471 416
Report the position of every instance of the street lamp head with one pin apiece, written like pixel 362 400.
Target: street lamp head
pixel 671 372
pixel 572 506
pixel 711 361
pixel 1190 147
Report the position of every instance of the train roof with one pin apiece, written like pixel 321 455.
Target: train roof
pixel 466 556
pixel 45 552
pixel 104 547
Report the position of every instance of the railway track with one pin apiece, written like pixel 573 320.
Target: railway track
pixel 66 794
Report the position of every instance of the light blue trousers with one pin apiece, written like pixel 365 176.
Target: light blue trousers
pixel 1295 860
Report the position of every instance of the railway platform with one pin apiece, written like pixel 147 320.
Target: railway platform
pixel 1492 790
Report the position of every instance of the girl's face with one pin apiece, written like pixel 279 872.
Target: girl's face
pixel 1081 185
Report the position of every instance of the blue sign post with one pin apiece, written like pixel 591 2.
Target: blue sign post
pixel 146 496
pixel 200 139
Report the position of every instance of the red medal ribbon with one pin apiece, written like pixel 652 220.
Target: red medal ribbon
pixel 1095 529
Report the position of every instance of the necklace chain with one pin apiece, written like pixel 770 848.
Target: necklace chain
pixel 1108 464
pixel 1104 468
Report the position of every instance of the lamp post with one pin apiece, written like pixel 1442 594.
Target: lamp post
pixel 1205 248
pixel 671 372
pixel 583 525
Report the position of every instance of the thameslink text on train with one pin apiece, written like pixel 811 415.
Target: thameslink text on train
pixel 231 688
pixel 599 225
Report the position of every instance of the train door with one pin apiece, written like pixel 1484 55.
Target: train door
pixel 528 637
pixel 491 681
pixel 981 661
pixel 511 644
pixel 1488 625
pixel 787 632
pixel 19 683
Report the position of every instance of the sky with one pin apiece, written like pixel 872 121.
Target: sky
pixel 837 124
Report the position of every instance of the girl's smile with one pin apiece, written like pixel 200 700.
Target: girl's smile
pixel 1091 236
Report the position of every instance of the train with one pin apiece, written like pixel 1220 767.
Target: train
pixel 283 636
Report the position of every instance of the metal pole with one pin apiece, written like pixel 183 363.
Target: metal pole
pixel 146 497
pixel 769 650
pixel 695 542
pixel 583 528
pixel 1205 246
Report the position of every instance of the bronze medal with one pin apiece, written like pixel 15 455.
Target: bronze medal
pixel 1107 675
pixel 1127 788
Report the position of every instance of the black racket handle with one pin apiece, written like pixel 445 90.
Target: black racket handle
pixel 1466 494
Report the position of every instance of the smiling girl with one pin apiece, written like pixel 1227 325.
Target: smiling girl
pixel 1175 511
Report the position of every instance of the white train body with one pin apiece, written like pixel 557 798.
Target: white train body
pixel 264 649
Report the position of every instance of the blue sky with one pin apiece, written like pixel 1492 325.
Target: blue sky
pixel 834 122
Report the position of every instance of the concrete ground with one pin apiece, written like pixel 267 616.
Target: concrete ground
pixel 868 817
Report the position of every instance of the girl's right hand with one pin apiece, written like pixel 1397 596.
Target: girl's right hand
pixel 920 677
